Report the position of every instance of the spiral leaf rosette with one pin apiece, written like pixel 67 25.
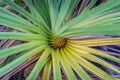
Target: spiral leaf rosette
pixel 49 28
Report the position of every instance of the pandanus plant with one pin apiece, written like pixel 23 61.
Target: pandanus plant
pixel 49 31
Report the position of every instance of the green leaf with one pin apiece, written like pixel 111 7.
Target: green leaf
pixel 72 6
pixel 42 8
pixel 96 42
pixel 92 13
pixel 56 65
pixel 25 14
pixel 97 71
pixel 37 15
pixel 78 69
pixel 90 5
pixel 100 53
pixel 21 10
pixel 47 69
pixel 102 8
pixel 39 65
pixel 12 22
pixel 99 20
pixel 20 36
pixel 62 14
pixel 6 61
pixel 20 60
pixel 18 18
pixel 93 58
pixel 53 9
pixel 66 66
pixel 16 49
pixel 94 30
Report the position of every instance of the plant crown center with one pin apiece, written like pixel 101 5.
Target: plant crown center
pixel 57 43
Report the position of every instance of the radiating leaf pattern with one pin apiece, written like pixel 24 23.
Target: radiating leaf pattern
pixel 47 28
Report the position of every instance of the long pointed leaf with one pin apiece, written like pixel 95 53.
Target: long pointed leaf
pixel 20 60
pixel 90 66
pixel 56 65
pixel 46 72
pixel 39 65
pixel 66 66
pixel 93 58
pixel 16 49
pixel 20 36
pixel 79 70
